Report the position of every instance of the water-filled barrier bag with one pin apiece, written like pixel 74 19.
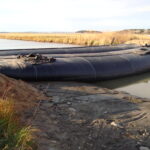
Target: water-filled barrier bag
pixel 75 68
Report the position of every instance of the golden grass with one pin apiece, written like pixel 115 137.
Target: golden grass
pixel 16 97
pixel 13 136
pixel 88 39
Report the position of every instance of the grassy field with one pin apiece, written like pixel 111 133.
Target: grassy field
pixel 88 39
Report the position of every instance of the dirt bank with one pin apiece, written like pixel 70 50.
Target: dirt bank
pixel 25 96
pixel 81 116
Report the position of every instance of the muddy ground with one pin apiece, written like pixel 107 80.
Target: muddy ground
pixel 81 116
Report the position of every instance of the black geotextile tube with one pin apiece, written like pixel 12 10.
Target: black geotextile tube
pixel 69 50
pixel 129 51
pixel 79 69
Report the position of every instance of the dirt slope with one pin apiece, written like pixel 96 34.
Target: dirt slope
pixel 24 95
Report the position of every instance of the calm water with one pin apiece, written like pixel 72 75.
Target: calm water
pixel 138 85
pixel 18 44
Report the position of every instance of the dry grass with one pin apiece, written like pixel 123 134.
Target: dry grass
pixel 16 97
pixel 13 136
pixel 88 39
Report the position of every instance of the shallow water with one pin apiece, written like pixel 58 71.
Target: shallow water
pixel 138 85
pixel 18 44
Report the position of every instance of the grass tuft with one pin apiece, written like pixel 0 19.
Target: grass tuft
pixel 12 135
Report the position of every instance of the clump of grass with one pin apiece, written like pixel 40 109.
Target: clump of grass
pixel 12 135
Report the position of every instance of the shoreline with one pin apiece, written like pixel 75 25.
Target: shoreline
pixel 78 116
pixel 83 116
pixel 88 39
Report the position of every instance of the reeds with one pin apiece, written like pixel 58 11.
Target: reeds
pixel 88 39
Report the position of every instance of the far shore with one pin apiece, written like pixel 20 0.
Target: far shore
pixel 86 39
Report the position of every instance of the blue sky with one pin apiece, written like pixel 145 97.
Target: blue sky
pixel 73 15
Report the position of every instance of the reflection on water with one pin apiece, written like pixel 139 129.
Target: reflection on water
pixel 138 85
pixel 18 44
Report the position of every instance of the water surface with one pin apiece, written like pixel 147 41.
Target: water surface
pixel 19 44
pixel 138 85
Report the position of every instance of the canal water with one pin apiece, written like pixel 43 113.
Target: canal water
pixel 18 44
pixel 138 85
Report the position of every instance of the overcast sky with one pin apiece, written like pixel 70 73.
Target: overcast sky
pixel 73 15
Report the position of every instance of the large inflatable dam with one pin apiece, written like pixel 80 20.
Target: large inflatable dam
pixel 79 68
pixel 69 50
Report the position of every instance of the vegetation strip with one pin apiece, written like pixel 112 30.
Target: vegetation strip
pixel 88 39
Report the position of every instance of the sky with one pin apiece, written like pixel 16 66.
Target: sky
pixel 73 15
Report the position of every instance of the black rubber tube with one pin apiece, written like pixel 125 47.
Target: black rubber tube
pixel 70 50
pixel 77 68
pixel 127 51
